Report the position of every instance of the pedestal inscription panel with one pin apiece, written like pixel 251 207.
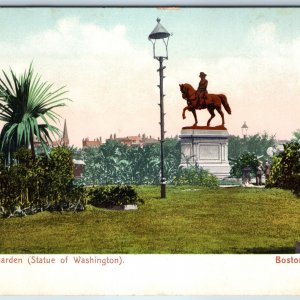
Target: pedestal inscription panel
pixel 209 152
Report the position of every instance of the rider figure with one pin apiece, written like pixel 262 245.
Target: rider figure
pixel 202 88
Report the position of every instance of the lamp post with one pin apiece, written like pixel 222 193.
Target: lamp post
pixel 159 38
pixel 244 130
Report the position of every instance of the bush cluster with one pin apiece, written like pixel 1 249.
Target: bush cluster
pixel 195 175
pixel 246 159
pixel 285 171
pixel 109 196
pixel 45 183
pixel 114 163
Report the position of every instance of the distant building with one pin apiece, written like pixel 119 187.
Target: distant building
pixel 150 140
pixel 282 142
pixel 78 168
pixel 134 140
pixel 95 143
pixel 129 140
pixel 36 142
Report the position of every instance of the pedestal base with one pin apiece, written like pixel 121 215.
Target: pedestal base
pixel 206 148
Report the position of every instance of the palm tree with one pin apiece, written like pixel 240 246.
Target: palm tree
pixel 23 102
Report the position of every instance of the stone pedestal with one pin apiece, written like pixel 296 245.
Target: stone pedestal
pixel 208 148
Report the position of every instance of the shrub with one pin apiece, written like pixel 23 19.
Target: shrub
pixel 46 183
pixel 194 176
pixel 285 171
pixel 74 199
pixel 109 196
pixel 244 160
pixel 114 163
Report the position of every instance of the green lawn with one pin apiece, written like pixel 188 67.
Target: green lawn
pixel 190 220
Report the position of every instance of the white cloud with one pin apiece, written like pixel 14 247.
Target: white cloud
pixel 264 34
pixel 107 77
pixel 113 83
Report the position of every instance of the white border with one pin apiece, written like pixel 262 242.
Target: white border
pixel 185 274
pixel 152 3
pixel 153 275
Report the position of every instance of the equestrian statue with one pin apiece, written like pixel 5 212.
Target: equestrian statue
pixel 200 99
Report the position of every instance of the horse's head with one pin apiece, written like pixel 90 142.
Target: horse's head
pixel 183 91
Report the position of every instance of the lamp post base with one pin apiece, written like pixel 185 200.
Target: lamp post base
pixel 163 190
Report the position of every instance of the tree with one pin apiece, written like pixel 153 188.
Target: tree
pixel 172 147
pixel 246 159
pixel 46 183
pixel 114 163
pixel 24 101
pixel 296 136
pixel 257 144
pixel 285 171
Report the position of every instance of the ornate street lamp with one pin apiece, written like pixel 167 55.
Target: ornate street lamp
pixel 244 130
pixel 159 38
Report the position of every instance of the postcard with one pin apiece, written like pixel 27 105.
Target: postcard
pixel 149 150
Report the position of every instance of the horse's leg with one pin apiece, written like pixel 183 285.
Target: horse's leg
pixel 189 108
pixel 183 112
pixel 195 117
pixel 212 115
pixel 221 113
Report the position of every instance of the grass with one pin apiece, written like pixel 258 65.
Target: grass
pixel 190 220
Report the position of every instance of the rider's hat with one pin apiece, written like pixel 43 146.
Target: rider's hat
pixel 202 74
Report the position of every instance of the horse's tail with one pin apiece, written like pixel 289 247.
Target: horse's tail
pixel 225 103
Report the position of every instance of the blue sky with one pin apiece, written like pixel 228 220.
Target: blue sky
pixel 231 24
pixel 226 25
pixel 104 58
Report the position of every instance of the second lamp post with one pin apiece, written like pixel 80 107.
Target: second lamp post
pixel 160 38
pixel 244 130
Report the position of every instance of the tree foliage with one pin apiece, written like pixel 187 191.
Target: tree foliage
pixel 256 144
pixel 114 163
pixel 24 102
pixel 110 196
pixel 195 175
pixel 246 159
pixel 285 171
pixel 46 183
pixel 296 136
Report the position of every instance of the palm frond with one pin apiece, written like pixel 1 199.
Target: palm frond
pixel 8 81
pixel 23 102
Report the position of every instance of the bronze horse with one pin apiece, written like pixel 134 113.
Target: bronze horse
pixel 212 102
